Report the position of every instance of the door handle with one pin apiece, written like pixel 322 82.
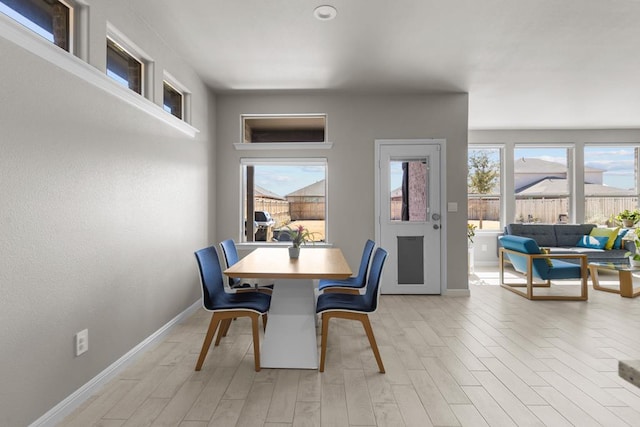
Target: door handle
pixel 436 226
pixel 435 217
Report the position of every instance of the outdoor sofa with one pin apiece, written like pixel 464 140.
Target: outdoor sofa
pixel 572 239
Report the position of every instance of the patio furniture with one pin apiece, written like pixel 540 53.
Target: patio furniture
pixel 528 259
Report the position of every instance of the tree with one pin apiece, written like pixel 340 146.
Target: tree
pixel 483 176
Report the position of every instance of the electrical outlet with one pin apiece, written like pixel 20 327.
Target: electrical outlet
pixel 82 342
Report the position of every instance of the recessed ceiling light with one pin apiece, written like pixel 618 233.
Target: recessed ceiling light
pixel 325 12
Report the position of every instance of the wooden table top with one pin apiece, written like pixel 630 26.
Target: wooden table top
pixel 313 263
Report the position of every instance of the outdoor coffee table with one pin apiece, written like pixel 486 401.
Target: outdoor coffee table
pixel 625 278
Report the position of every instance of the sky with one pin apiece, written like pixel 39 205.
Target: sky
pixel 285 179
pixel 617 162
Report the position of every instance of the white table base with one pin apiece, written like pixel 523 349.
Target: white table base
pixel 290 338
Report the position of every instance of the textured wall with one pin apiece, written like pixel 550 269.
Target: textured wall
pixel 101 208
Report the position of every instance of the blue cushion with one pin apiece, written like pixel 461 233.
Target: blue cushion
pixel 563 270
pixel 351 282
pixel 618 243
pixel 593 242
pixel 338 301
pixel 524 245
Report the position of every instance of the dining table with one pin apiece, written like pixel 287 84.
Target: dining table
pixel 290 337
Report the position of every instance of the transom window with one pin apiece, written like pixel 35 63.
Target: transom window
pixel 50 19
pixel 296 128
pixel 123 67
pixel 172 100
pixel 278 194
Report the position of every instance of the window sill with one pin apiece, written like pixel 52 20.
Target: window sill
pixel 247 146
pixel 37 45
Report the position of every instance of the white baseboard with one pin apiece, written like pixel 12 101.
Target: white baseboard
pixel 68 405
pixel 457 292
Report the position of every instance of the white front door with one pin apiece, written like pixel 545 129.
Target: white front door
pixel 408 215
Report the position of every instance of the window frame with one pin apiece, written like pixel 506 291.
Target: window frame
pixel 275 161
pixel 70 30
pixel 571 174
pixel 171 81
pixel 636 195
pixel 131 49
pixel 501 184
pixel 285 117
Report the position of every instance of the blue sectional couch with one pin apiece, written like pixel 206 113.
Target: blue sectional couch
pixel 563 239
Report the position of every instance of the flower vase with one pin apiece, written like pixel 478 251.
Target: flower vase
pixel 627 223
pixel 294 252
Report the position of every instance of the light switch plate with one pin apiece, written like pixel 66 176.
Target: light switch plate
pixel 452 207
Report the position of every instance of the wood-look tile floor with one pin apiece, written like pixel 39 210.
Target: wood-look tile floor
pixel 491 359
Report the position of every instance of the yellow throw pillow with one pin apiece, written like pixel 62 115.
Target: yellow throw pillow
pixel 611 233
pixel 548 260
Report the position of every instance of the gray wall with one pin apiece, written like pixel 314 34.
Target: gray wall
pixel 354 123
pixel 101 208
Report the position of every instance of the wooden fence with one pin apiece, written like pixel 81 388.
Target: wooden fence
pixel 597 209
pixel 279 209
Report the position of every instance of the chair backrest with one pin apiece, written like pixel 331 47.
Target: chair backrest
pixel 361 278
pixel 210 277
pixel 372 294
pixel 230 254
pixel 527 246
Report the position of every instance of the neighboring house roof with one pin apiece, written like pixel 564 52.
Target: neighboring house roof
pixel 314 190
pixel 397 193
pixel 549 186
pixel 532 165
pixel 263 192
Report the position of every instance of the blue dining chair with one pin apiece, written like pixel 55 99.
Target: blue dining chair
pixel 226 306
pixel 352 285
pixel 353 307
pixel 230 253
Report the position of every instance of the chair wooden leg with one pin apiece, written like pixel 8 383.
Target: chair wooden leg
pixel 256 340
pixel 323 345
pixel 264 322
pixel 213 325
pixel 224 328
pixel 372 341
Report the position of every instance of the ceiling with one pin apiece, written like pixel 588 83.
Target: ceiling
pixel 526 64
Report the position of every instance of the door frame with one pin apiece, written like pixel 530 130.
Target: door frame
pixel 442 143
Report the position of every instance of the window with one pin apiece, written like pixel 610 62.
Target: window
pixel 278 193
pixel 123 67
pixel 409 190
pixel 289 128
pixel 541 184
pixel 172 100
pixel 483 188
pixel 49 18
pixel 610 181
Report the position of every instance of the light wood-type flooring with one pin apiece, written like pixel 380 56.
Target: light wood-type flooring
pixel 493 358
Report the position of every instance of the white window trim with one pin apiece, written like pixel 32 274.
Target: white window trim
pixel 27 39
pixel 138 54
pixel 186 94
pixel 274 146
pixel 501 194
pixel 247 161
